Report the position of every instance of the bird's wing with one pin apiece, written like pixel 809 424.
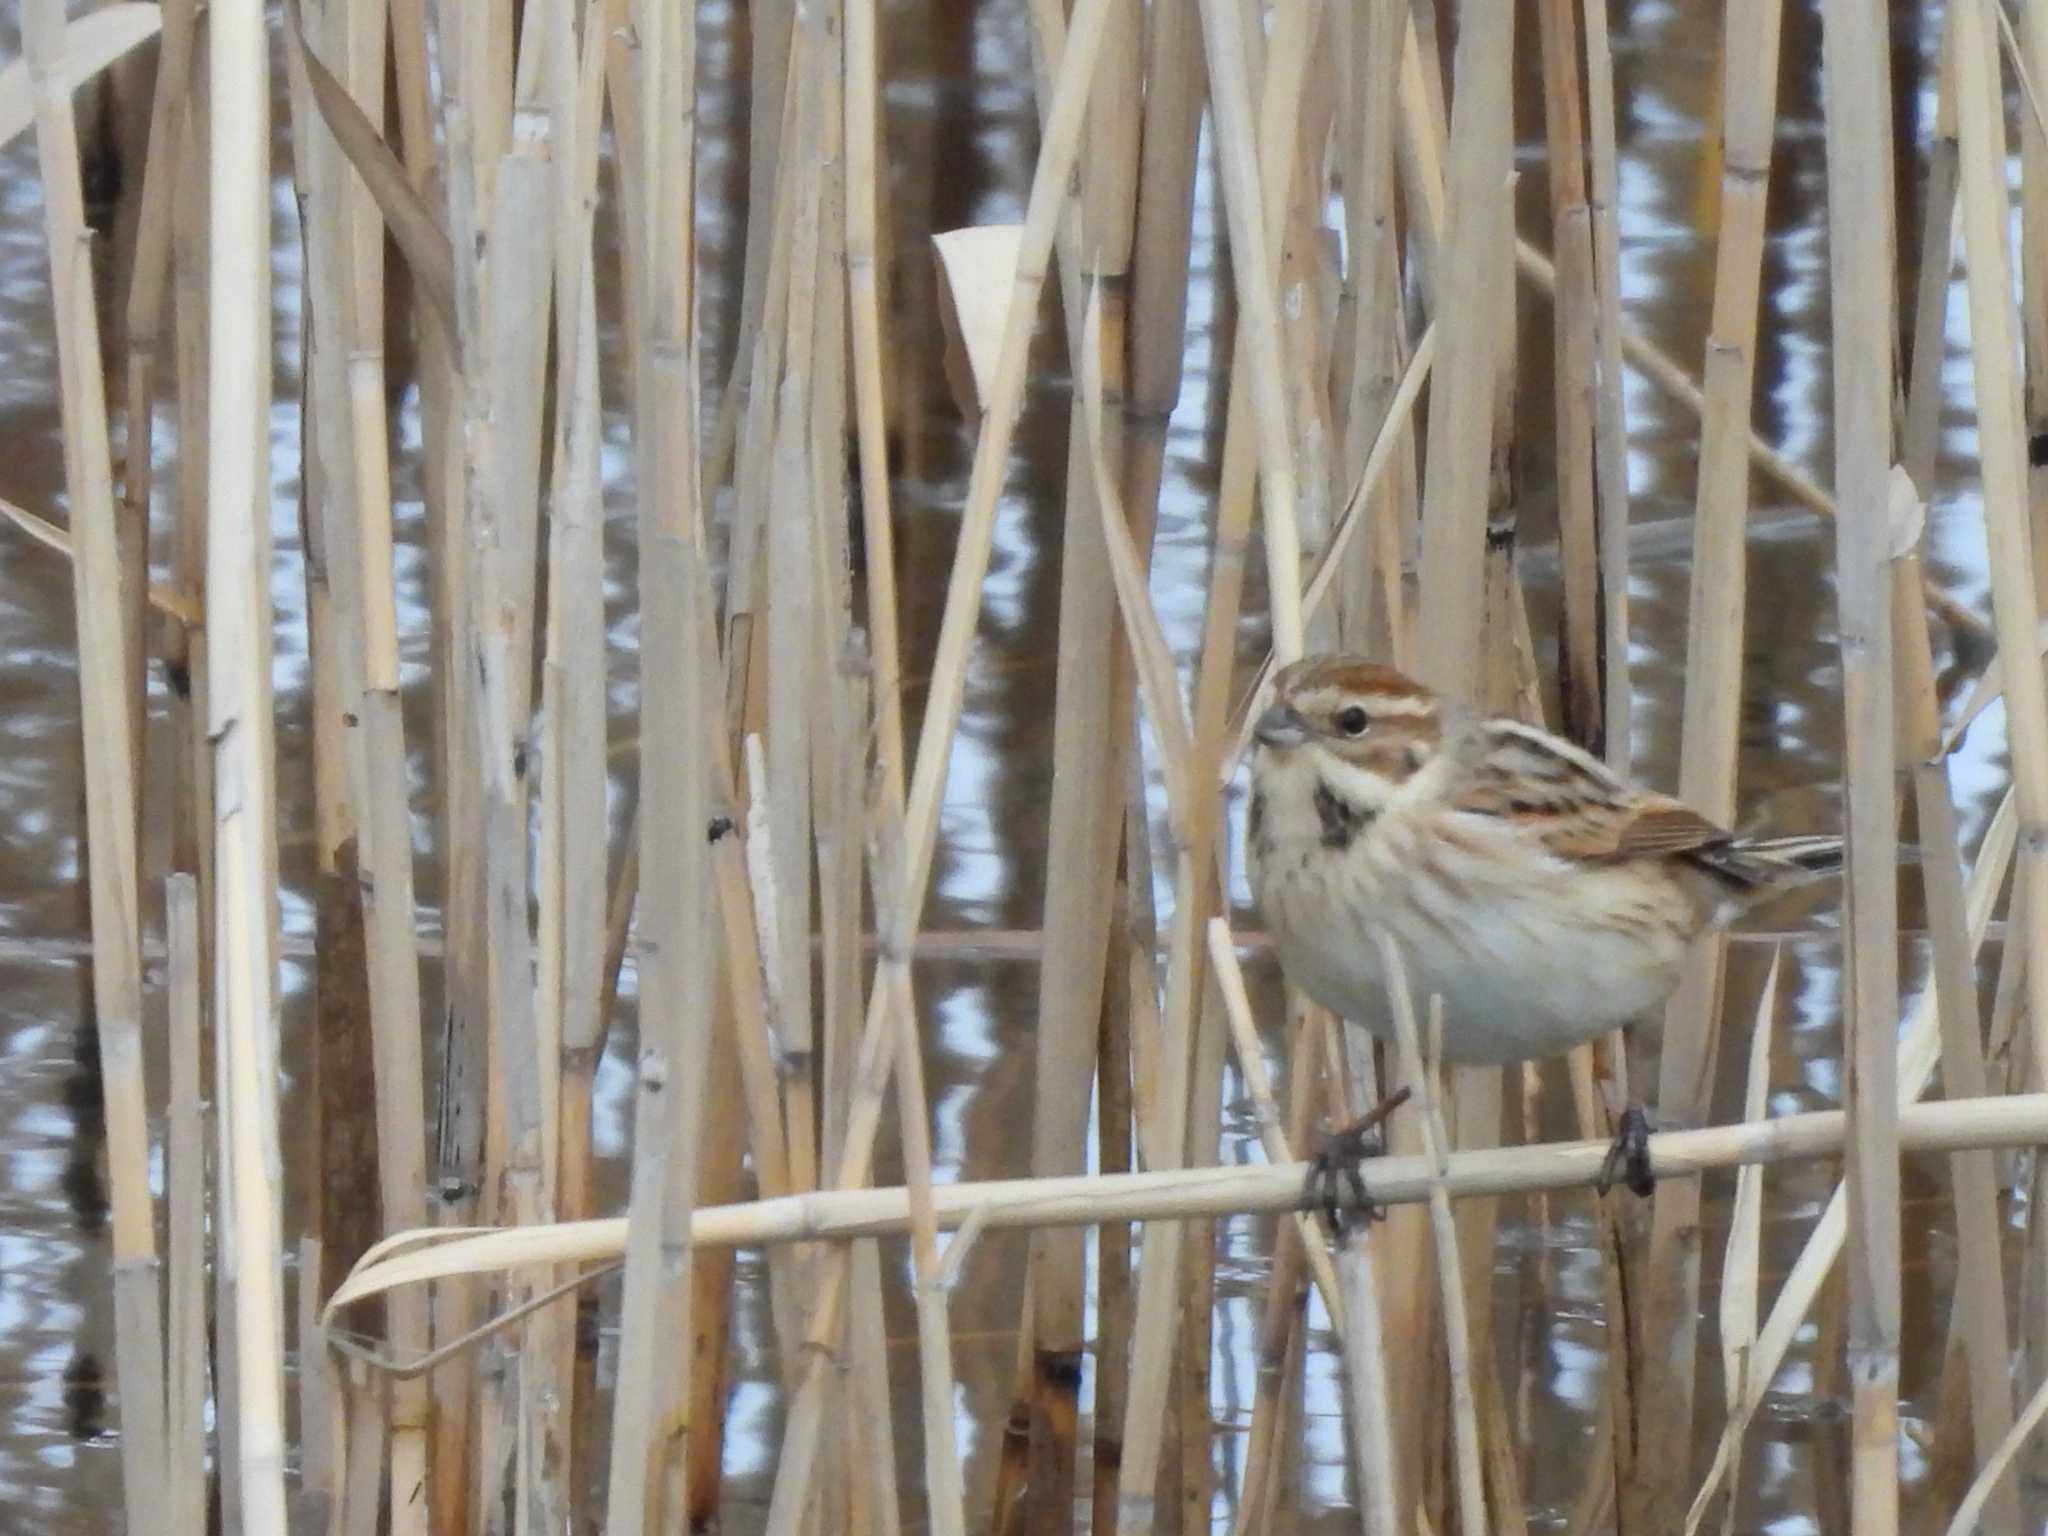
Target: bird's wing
pixel 1661 826
pixel 1571 802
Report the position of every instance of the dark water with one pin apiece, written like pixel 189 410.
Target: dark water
pixel 962 130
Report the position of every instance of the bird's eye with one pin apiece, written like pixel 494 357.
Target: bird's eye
pixel 1351 721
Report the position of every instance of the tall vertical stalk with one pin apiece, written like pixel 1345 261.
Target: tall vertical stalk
pixel 244 753
pixel 108 690
pixel 1860 253
pixel 1713 698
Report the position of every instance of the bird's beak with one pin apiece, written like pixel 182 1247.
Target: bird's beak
pixel 1280 726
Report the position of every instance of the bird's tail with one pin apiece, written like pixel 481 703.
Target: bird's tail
pixel 1762 864
pixel 1817 855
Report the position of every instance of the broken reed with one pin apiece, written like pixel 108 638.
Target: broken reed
pixel 771 713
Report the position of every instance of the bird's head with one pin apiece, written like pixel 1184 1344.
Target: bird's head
pixel 1357 724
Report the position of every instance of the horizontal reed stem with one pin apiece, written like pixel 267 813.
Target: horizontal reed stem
pixel 2015 1120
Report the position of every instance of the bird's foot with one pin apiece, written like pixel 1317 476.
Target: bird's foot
pixel 1628 1155
pixel 1335 1171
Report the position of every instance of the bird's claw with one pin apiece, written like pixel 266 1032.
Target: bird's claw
pixel 1628 1156
pixel 1335 1170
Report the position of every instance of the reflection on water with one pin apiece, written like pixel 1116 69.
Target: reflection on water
pixel 962 128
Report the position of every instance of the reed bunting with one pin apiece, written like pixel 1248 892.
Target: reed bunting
pixel 1543 898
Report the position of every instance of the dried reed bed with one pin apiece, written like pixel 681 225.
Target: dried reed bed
pixel 781 848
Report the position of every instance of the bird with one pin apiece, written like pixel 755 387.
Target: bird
pixel 1544 898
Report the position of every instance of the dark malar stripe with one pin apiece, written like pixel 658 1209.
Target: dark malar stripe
pixel 1342 821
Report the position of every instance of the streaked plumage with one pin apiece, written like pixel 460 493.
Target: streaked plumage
pixel 1546 899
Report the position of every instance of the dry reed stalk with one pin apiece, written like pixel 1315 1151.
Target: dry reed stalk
pixel 1277 1354
pixel 184 1504
pixel 863 181
pixel 1970 1513
pixel 1472 1517
pixel 1460 419
pixel 1860 201
pixel 1741 1262
pixel 1474 295
pixel 1372 278
pixel 1658 369
pixel 98 40
pixel 721 1178
pixel 1056 159
pixel 240 728
pixel 446 410
pixel 756 1031
pixel 571 888
pixel 357 544
pixel 1280 1509
pixel 502 303
pixel 744 976
pixel 149 282
pixel 1919 1052
pixel 1610 424
pixel 1366 1384
pixel 2029 55
pixel 1115 1127
pixel 869 1349
pixel 1163 1133
pixel 1158 682
pixel 107 689
pixel 226 1295
pixel 746 642
pixel 1508 673
pixel 1978 1314
pixel 1173 102
pixel 1422 128
pixel 1227 562
pixel 1174 1194
pixel 1574 312
pixel 321 1435
pixel 1713 649
pixel 1713 698
pixel 1307 278
pixel 945 1498
pixel 676 974
pixel 1951 1456
pixel 1251 1061
pixel 1313 1088
pixel 1091 732
pixel 1623 1228
pixel 841 755
pixel 792 1112
pixel 1186 1477
pixel 1281 1334
pixel 1980 132
pixel 173 603
pixel 362 1444
pixel 339 1136
pixel 573 975
pixel 1920 425
pixel 1253 234
pixel 678 667
pixel 1174 97
pixel 1387 443
pixel 188 671
pixel 787 617
pixel 775 35
pixel 1501 1444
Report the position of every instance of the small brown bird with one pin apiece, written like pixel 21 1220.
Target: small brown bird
pixel 1543 898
